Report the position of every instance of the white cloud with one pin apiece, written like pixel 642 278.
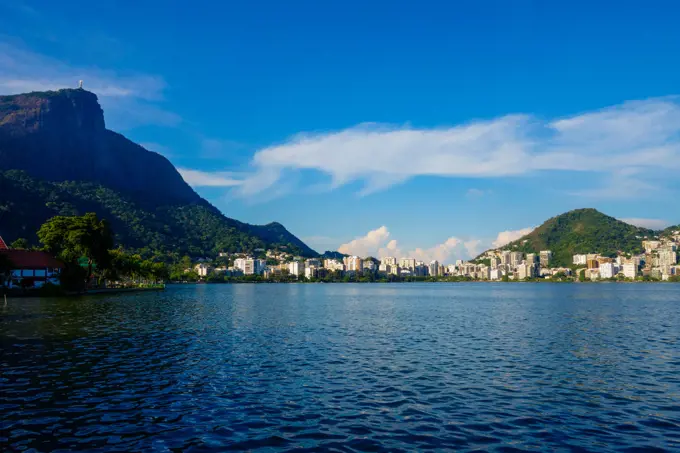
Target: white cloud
pixel 366 245
pixel 474 247
pixel 197 178
pixel 641 137
pixel 652 224
pixel 506 237
pixel 377 243
pixel 128 100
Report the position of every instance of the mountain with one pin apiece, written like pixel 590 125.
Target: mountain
pixel 582 231
pixel 58 158
pixel 670 230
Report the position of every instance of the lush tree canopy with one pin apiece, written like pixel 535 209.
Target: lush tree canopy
pixel 71 238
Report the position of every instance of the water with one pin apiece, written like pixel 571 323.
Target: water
pixel 411 367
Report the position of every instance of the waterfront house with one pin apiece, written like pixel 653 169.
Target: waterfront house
pixel 32 269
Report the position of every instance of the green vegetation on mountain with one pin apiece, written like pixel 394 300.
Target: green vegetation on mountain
pixel 193 229
pixel 582 231
pixel 57 158
pixel 670 230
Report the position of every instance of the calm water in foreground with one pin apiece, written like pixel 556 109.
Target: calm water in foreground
pixel 506 367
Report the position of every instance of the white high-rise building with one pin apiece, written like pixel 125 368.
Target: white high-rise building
pixel 608 270
pixel 202 269
pixel 311 272
pixel 516 258
pixel 389 260
pixel 434 268
pixel 333 265
pixel 667 258
pixel 296 268
pixel 580 260
pixel 240 263
pixel 524 271
pixel 354 264
pixel 495 262
pixel 546 258
pixel 630 270
pixel 408 263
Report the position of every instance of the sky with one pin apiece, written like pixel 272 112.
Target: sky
pixel 425 129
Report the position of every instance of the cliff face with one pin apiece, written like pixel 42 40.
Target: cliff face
pixel 61 136
pixel 58 158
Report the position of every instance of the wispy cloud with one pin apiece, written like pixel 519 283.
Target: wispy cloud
pixel 638 136
pixel 196 178
pixel 652 224
pixel 129 99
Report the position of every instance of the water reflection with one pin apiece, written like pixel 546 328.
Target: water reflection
pixel 348 367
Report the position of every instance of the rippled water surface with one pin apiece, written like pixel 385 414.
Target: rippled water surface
pixel 412 367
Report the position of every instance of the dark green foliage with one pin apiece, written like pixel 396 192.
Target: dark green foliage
pixel 20 244
pixel 670 230
pixel 333 255
pixel 582 231
pixel 70 238
pixel 197 229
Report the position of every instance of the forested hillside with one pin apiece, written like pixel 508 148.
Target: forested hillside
pixel 57 158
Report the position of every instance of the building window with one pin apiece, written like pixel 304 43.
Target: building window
pixel 27 273
pixel 40 272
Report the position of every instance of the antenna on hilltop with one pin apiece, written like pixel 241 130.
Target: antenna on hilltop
pixel 80 84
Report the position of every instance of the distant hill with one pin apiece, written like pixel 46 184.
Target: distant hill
pixel 57 158
pixel 582 231
pixel 328 254
pixel 670 230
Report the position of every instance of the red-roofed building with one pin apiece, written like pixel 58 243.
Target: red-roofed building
pixel 3 246
pixel 32 268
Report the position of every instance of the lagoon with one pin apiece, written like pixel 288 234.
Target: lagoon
pixel 345 367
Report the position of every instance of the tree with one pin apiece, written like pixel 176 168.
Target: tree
pixel 71 238
pixel 5 268
pixel 19 244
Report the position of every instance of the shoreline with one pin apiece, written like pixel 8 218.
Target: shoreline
pixel 423 281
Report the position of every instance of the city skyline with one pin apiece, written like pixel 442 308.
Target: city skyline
pixel 435 132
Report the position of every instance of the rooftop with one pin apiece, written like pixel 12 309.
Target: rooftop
pixel 31 259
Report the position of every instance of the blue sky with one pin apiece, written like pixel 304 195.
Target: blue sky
pixel 419 128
